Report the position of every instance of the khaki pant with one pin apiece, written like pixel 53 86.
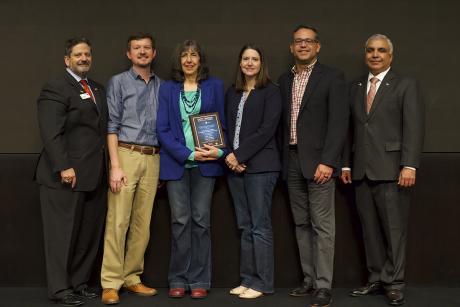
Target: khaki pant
pixel 127 228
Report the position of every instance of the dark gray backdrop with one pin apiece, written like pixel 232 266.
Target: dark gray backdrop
pixel 426 47
pixel 33 35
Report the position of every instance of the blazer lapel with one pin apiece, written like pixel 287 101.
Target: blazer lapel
pixel 288 106
pixel 315 76
pixel 383 89
pixel 73 82
pixel 205 97
pixel 81 91
pixel 97 95
pixel 361 97
pixel 175 101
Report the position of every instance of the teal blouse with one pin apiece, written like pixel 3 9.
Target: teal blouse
pixel 185 113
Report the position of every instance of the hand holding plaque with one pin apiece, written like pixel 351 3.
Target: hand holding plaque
pixel 207 130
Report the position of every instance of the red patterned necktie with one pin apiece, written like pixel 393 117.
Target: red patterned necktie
pixel 87 89
pixel 371 94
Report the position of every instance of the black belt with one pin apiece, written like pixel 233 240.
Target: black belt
pixel 293 147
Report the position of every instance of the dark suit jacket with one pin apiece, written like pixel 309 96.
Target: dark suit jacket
pixel 262 110
pixel 391 136
pixel 322 122
pixel 73 131
pixel 174 152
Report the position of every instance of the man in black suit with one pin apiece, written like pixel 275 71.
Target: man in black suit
pixel 315 119
pixel 72 116
pixel 388 120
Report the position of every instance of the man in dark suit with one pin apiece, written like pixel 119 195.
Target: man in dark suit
pixel 72 116
pixel 314 121
pixel 388 129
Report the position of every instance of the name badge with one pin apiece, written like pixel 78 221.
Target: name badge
pixel 85 96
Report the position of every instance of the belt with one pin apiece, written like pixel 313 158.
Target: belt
pixel 146 150
pixel 293 147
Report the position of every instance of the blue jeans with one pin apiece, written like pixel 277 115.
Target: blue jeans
pixel 252 198
pixel 190 201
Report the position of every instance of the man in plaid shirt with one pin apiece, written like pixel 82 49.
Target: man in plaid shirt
pixel 314 121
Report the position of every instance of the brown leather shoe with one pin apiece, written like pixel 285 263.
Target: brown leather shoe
pixel 141 289
pixel 176 292
pixel 199 293
pixel 110 297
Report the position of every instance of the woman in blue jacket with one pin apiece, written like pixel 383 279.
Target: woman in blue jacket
pixel 253 109
pixel 189 171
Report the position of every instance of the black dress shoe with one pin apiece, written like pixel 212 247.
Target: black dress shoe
pixel 70 300
pixel 371 288
pixel 395 297
pixel 321 298
pixel 303 290
pixel 87 293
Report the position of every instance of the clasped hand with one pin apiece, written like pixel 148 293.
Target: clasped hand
pixel 208 153
pixel 233 164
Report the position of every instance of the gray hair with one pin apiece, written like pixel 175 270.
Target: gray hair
pixel 380 36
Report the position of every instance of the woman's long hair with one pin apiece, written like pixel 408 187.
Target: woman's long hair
pixel 176 71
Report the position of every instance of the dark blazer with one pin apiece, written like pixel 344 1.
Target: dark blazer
pixel 391 136
pixel 262 110
pixel 73 131
pixel 174 153
pixel 322 122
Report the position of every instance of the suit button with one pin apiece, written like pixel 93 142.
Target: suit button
pixel 366 124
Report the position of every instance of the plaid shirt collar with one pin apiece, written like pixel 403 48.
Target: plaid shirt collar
pixel 306 70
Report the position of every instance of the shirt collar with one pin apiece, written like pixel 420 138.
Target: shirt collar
pixel 75 76
pixel 135 75
pixel 307 69
pixel 379 76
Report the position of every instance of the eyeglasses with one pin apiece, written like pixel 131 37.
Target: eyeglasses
pixel 307 41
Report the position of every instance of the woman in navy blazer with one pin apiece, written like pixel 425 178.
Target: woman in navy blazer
pixel 189 171
pixel 253 109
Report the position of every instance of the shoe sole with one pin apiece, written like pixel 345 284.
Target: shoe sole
pixel 111 303
pixel 298 295
pixel 141 294
pixel 86 297
pixel 371 293
pixel 176 296
pixel 70 305
pixel 398 304
pixel 250 298
pixel 322 305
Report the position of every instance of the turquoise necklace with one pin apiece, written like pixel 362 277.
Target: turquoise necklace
pixel 189 105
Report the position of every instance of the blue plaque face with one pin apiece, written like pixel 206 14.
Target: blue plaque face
pixel 206 129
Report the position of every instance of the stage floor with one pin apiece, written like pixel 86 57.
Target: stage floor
pixel 218 297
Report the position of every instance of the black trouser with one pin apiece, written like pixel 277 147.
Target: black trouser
pixel 72 224
pixel 383 208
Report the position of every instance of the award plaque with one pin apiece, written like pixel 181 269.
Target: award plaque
pixel 207 129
